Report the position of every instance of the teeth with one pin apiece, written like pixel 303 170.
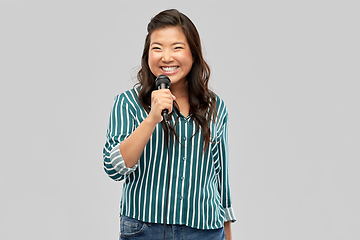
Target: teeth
pixel 169 69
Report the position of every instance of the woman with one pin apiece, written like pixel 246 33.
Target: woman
pixel 182 180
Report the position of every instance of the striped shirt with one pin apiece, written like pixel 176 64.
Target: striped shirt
pixel 199 191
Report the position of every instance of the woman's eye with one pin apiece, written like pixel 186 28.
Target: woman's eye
pixel 178 47
pixel 155 48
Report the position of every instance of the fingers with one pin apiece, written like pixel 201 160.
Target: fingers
pixel 165 91
pixel 162 99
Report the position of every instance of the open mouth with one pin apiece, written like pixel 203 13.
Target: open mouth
pixel 169 69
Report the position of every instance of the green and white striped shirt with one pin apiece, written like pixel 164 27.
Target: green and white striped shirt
pixel 199 191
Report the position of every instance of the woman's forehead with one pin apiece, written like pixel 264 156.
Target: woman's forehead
pixel 168 35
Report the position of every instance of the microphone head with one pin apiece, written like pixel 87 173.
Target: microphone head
pixel 162 82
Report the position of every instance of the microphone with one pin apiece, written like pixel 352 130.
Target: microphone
pixel 163 82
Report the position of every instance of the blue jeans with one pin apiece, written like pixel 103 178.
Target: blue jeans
pixel 132 229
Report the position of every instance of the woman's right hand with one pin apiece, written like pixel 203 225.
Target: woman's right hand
pixel 160 100
pixel 133 146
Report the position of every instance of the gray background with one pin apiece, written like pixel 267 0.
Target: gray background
pixel 288 71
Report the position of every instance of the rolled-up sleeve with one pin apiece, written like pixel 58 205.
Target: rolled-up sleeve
pixel 224 185
pixel 121 125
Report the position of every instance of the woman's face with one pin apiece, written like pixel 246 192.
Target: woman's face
pixel 170 54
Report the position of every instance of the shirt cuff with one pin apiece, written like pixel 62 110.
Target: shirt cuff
pixel 229 215
pixel 118 162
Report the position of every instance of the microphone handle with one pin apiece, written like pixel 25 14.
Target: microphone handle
pixel 165 112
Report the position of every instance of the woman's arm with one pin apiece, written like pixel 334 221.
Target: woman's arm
pixel 132 147
pixel 227 227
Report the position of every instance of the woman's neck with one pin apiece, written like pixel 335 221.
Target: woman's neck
pixel 180 89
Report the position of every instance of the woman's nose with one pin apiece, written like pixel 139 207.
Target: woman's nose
pixel 167 56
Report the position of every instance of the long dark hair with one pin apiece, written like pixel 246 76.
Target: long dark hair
pixel 202 100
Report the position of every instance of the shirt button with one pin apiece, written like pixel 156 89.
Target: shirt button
pixel 184 138
pixel 182 178
pixel 184 158
pixel 181 197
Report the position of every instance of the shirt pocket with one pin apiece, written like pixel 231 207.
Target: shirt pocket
pixel 214 148
pixel 216 159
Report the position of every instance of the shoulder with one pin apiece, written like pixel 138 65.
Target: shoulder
pixel 128 98
pixel 221 109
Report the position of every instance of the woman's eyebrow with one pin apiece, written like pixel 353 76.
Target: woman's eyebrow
pixel 155 43
pixel 171 44
pixel 178 43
